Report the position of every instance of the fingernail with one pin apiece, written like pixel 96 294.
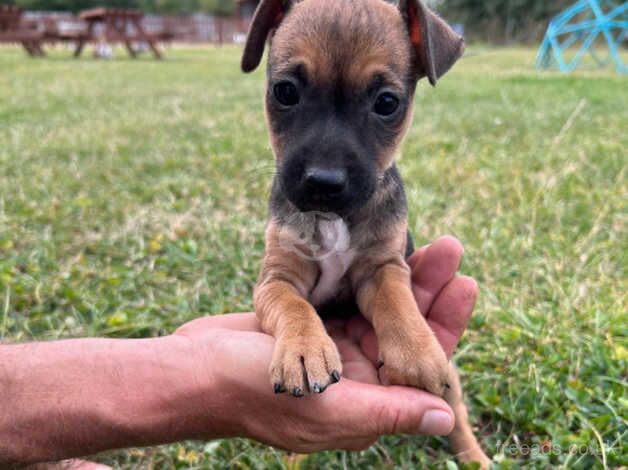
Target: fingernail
pixel 436 423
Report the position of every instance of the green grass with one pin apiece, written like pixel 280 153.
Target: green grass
pixel 133 198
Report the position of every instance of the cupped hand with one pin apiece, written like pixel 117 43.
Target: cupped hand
pixel 234 356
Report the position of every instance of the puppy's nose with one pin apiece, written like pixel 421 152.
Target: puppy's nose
pixel 326 181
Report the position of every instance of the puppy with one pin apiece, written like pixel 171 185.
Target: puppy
pixel 341 80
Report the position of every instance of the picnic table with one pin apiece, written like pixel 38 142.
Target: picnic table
pixel 13 29
pixel 63 28
pixel 118 26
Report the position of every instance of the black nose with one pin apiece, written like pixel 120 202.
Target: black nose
pixel 325 181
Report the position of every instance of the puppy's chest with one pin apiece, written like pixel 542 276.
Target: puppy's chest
pixel 334 261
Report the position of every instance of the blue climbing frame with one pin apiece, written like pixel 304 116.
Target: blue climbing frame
pixel 585 21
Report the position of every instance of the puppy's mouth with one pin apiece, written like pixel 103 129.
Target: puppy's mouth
pixel 307 200
pixel 322 206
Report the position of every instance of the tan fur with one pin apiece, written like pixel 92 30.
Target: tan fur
pixel 408 347
pixel 354 43
pixel 352 50
pixel 382 48
pixel 462 439
pixel 304 354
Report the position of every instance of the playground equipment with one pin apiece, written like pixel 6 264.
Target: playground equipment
pixel 584 22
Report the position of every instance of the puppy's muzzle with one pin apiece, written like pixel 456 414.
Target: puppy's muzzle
pixel 318 178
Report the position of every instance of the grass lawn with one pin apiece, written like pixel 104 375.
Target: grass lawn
pixel 133 198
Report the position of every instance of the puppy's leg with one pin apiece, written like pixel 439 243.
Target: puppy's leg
pixel 305 358
pixel 408 349
pixel 463 441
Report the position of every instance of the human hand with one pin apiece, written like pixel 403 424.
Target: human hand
pixel 352 414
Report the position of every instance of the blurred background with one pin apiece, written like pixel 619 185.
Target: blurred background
pixel 494 21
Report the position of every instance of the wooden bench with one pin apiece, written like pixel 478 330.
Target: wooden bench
pixel 67 28
pixel 118 26
pixel 13 29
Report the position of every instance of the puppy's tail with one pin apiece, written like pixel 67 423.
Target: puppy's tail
pixel 463 441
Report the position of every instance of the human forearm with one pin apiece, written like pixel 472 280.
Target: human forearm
pixel 71 398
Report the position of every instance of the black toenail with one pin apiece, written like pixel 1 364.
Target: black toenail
pixel 447 386
pixel 335 375
pixel 278 388
pixel 297 392
pixel 316 388
pixel 379 365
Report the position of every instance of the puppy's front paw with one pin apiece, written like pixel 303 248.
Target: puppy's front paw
pixel 420 363
pixel 305 364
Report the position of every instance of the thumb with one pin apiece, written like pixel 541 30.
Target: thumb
pixel 379 410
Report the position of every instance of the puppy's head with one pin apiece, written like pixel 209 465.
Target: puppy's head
pixel 341 78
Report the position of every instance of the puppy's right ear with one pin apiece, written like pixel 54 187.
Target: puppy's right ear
pixel 267 17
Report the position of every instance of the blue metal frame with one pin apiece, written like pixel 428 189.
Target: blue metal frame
pixel 597 17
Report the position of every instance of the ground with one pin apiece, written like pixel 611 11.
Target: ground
pixel 133 198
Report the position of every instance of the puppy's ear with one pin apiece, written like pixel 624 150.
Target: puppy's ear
pixel 437 47
pixel 267 17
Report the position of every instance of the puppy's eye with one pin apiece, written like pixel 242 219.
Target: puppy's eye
pixel 386 104
pixel 286 93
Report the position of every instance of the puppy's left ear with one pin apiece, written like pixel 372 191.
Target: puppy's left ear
pixel 437 47
pixel 267 17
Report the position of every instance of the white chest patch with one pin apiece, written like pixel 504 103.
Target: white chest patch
pixel 334 260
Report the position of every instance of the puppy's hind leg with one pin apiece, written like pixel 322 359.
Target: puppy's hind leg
pixel 463 441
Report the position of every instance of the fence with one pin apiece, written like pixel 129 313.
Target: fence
pixel 198 28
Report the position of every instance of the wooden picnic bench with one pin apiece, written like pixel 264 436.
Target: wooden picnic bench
pixel 118 26
pixel 13 29
pixel 63 28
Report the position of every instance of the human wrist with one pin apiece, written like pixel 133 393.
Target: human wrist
pixel 170 393
pixel 208 396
